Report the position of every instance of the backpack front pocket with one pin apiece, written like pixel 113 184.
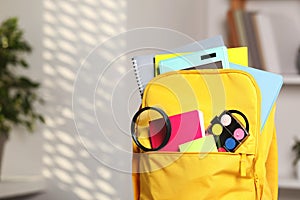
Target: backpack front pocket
pixel 193 176
pixel 211 92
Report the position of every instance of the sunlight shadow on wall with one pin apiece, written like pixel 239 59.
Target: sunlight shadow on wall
pixel 71 30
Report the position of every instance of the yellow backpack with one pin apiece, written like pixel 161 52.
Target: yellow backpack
pixel 250 173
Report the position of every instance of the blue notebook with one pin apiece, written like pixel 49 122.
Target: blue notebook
pixel 199 58
pixel 269 84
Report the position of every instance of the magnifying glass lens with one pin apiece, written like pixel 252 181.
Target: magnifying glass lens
pixel 150 129
pixel 157 132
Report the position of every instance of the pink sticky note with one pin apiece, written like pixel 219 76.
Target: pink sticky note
pixel 186 127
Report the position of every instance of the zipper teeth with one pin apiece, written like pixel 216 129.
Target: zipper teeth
pixel 197 153
pixel 201 72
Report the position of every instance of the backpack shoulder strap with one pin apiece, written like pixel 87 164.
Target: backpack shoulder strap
pixel 266 166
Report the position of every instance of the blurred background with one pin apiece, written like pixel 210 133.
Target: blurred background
pixel 81 55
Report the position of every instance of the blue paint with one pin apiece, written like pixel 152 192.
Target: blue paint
pixel 230 143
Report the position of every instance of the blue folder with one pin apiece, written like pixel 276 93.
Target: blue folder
pixel 269 84
pixel 198 58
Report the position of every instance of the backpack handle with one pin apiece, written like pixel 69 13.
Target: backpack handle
pixel 243 116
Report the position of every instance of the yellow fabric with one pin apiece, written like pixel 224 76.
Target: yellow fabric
pixel 249 174
pixel 135 170
pixel 267 156
pixel 193 176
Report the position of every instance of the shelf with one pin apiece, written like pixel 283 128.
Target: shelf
pixel 20 186
pixel 290 183
pixel 291 79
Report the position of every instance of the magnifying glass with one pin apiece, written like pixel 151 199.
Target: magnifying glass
pixel 140 128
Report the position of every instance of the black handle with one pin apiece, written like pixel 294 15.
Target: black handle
pixel 244 117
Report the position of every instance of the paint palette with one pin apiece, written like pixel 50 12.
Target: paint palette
pixel 228 132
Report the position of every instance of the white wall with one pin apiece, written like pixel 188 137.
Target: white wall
pixel 74 153
pixel 23 151
pixel 89 158
pixel 187 17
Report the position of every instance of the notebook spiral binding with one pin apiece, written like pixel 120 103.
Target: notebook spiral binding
pixel 137 76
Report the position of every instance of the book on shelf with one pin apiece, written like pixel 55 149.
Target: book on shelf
pixel 233 36
pixel 254 30
pixel 240 25
pixel 268 42
pixel 253 41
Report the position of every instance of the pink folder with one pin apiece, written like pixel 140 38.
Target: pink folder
pixel 186 127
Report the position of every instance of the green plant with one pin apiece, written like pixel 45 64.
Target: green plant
pixel 296 150
pixel 18 93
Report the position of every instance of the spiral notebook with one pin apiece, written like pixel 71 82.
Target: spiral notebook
pixel 143 65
